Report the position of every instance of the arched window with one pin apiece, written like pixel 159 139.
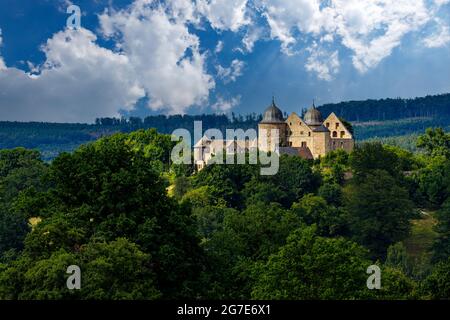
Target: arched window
pixel 342 134
pixel 334 134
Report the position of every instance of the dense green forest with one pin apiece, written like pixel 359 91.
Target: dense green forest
pixel 399 120
pixel 437 106
pixel 142 228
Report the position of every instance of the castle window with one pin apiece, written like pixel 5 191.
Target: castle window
pixel 303 144
pixel 334 134
pixel 309 134
pixel 290 143
pixel 302 133
pixel 328 124
pixel 337 125
pixel 342 134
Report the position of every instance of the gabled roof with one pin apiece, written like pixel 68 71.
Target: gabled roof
pixel 333 117
pixel 297 118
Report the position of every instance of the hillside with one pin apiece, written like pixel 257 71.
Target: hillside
pixel 393 121
pixel 437 106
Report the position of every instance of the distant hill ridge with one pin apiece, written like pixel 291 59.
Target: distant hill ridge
pixel 391 109
pixel 384 118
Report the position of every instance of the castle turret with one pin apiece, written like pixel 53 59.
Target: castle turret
pixel 272 120
pixel 313 117
pixel 321 135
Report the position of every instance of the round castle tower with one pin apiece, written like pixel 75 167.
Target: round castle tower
pixel 321 135
pixel 272 120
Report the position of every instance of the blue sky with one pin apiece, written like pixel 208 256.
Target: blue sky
pixel 184 56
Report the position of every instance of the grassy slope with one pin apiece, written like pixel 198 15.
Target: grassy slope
pixel 421 238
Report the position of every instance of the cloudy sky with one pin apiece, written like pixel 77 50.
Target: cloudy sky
pixel 201 56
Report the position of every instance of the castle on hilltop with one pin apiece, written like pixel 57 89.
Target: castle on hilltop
pixel 309 138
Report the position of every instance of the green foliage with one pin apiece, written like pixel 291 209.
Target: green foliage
pixel 407 141
pixel 210 219
pixel 226 181
pixel 259 229
pixel 181 186
pixel 117 270
pixel 332 193
pixel 13 229
pixel 407 161
pixel 334 165
pixel 21 170
pixel 395 285
pixel 432 182
pixel 373 156
pixel 441 247
pixel 311 267
pixel 379 211
pixel 436 142
pixel 245 237
pixel 387 109
pixel 114 270
pixel 315 210
pixel 225 232
pixel 397 257
pixel 256 191
pixel 437 284
pixel 111 189
pixel 203 196
pixel 295 178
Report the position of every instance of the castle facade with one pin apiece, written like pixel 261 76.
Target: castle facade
pixel 311 137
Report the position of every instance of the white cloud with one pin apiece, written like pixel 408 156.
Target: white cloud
pixel 79 81
pixel 222 105
pixel 371 29
pixel 283 16
pixel 252 35
pixel 182 10
pixel 219 47
pixel 157 56
pixel 325 64
pixel 2 63
pixel 440 38
pixel 164 55
pixel 224 14
pixel 441 2
pixel 231 73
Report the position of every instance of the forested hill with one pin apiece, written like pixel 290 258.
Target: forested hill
pixel 52 138
pixel 391 109
pixel 400 119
